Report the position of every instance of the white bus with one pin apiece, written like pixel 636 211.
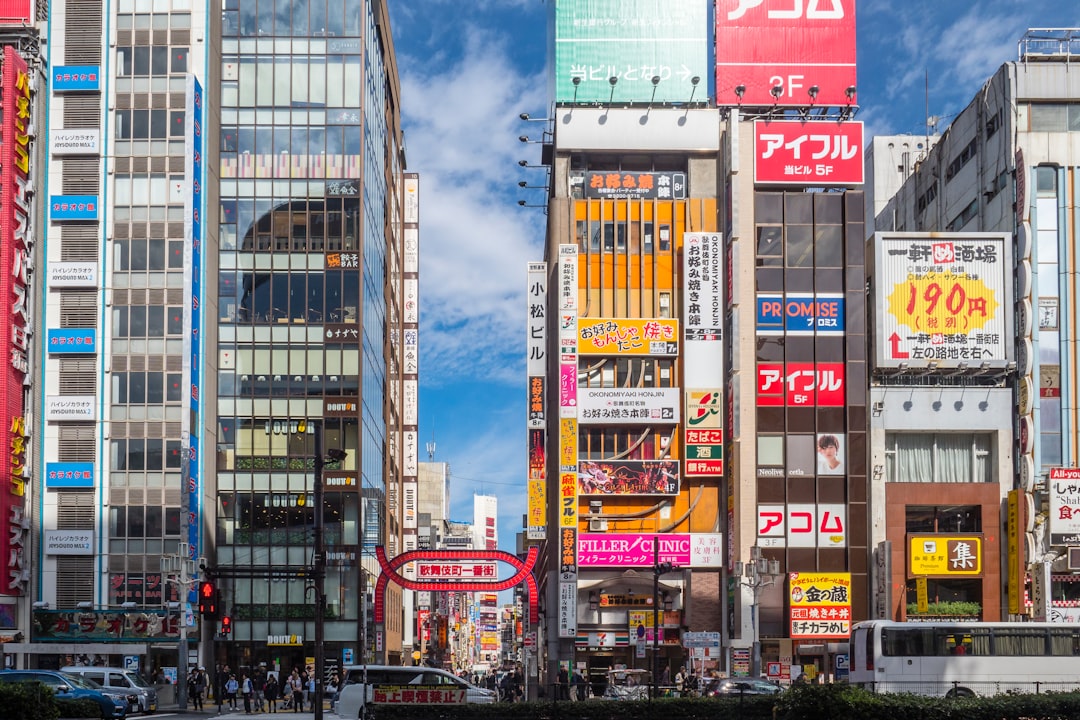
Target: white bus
pixel 964 658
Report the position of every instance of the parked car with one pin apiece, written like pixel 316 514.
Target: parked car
pixel 113 704
pixel 354 693
pixel 742 686
pixel 126 681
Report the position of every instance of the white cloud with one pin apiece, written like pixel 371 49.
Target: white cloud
pixel 461 133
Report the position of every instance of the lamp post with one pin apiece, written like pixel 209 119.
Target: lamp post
pixel 334 455
pixel 659 568
pixel 759 573
pixel 181 570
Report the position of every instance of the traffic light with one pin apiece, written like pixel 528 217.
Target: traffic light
pixel 208 599
pixel 226 625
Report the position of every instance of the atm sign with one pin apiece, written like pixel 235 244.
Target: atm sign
pixel 800 314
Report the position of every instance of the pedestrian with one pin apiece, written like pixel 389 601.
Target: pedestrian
pixel 680 681
pixel 578 688
pixel 297 691
pixel 258 683
pixel 563 692
pixel 200 687
pixel 309 687
pixel 248 689
pixel 193 693
pixel 270 691
pixel 231 686
pixel 332 689
pixel 285 687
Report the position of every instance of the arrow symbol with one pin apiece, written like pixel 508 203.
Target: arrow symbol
pixel 894 340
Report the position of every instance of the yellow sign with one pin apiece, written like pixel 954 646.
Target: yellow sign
pixel 938 555
pixel 1013 543
pixel 628 336
pixel 537 508
pixel 820 604
pixel 943 303
pixel 921 601
pixel 568 500
pixel 568 443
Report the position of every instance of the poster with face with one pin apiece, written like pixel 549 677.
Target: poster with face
pixel 830 454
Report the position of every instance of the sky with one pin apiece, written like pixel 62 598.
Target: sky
pixel 468 69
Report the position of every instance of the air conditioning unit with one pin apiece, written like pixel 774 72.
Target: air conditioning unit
pixel 597 525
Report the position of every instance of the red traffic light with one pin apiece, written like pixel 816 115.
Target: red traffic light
pixel 226 625
pixel 207 599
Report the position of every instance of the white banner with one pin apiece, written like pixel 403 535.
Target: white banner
pixel 70 407
pixel 536 359
pixel 73 274
pixel 628 406
pixel 69 542
pixel 1063 487
pixel 83 141
pixel 568 609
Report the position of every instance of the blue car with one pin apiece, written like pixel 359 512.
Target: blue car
pixel 112 706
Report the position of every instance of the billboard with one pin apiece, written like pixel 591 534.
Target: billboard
pixel 944 555
pixel 72 274
pixel 801 384
pixel 635 185
pixel 16 12
pixel 85 141
pixel 703 358
pixel 790 46
pixel 628 406
pixel 800 314
pixel 790 152
pixel 628 477
pixel 703 435
pixel 536 365
pixel 73 207
pixel 1063 487
pixel 16 252
pixel 69 475
pixel 76 78
pixel 657 51
pixel 71 341
pixel 820 604
pixel 802 525
pixel 628 336
pixel 943 300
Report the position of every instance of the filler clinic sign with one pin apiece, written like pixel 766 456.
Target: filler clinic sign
pixel 808 153
pixel 762 44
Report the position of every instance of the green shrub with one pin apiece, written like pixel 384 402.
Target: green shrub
pixel 957 607
pixel 28 701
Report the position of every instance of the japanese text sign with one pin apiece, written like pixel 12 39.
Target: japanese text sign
pixel 800 384
pixel 944 555
pixel 1063 487
pixel 629 550
pixel 800 314
pixel 808 153
pixel 793 45
pixel 944 298
pixel 820 604
pixel 628 336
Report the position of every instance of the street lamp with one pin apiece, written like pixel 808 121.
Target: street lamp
pixel 759 574
pixel 333 455
pixel 182 570
pixel 659 568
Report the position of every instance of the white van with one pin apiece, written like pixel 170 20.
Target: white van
pixel 116 678
pixel 351 694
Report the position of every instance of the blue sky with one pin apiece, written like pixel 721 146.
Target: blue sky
pixel 468 69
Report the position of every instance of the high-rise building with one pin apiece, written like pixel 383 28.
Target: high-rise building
pixel 234 237
pixel 980 404
pixel 697 409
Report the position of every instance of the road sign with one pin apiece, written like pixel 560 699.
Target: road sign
pixel 701 639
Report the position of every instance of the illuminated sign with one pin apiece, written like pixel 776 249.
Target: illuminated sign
pixel 628 406
pixel 697 550
pixel 944 298
pixel 635 185
pixel 628 336
pixel 16 253
pixel 788 152
pixel 800 314
pixel 944 555
pixel 820 604
pixel 628 477
pixel 790 46
pixel 71 341
pixel 69 475
pixel 73 207
pixel 1063 488
pixel 76 78
pixel 802 525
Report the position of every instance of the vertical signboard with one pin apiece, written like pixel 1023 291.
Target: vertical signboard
pixel 536 366
pixel 568 440
pixel 703 321
pixel 191 418
pixel 943 301
pixel 791 47
pixel 16 251
pixel 820 605
pixel 634 42
pixel 791 152
pixel 410 445
pixel 1015 523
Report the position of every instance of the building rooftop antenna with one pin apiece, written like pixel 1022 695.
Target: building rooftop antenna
pixel 431 448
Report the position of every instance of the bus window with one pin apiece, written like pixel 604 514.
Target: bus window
pixel 1064 642
pixel 869 638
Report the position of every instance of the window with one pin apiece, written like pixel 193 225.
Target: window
pixel 966 215
pixel 943 519
pixel 940 457
pixel 962 159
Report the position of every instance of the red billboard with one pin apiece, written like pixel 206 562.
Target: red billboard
pixel 801 384
pixel 808 153
pixel 16 12
pixel 16 242
pixel 791 45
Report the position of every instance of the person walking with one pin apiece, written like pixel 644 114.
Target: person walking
pixel 193 691
pixel 258 682
pixel 578 688
pixel 270 692
pixel 332 689
pixel 680 681
pixel 248 689
pixel 231 686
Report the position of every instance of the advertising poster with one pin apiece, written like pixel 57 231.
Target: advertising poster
pixel 808 153
pixel 628 477
pixel 820 605
pixel 628 336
